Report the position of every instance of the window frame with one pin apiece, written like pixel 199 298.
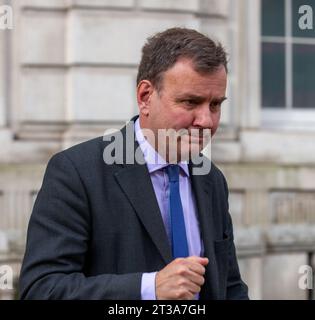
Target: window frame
pixel 287 117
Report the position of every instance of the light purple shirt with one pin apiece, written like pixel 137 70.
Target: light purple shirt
pixel 159 178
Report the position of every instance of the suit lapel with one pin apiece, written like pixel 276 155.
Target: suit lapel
pixel 136 184
pixel 134 180
pixel 202 188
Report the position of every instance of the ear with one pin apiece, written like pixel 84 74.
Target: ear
pixel 144 92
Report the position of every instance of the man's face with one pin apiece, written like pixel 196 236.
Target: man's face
pixel 188 100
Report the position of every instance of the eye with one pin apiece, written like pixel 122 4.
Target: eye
pixel 215 106
pixel 190 102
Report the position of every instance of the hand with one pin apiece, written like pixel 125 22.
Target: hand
pixel 181 279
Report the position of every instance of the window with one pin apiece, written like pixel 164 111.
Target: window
pixel 287 62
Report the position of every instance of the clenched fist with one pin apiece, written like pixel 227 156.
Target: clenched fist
pixel 181 279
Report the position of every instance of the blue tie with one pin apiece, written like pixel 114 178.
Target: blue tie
pixel 179 239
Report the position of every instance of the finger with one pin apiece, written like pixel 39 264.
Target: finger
pixel 194 266
pixel 195 278
pixel 201 260
pixel 193 288
pixel 185 273
pixel 185 284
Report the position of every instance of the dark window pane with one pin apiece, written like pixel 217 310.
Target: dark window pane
pixel 273 75
pixel 304 76
pixel 272 17
pixel 297 32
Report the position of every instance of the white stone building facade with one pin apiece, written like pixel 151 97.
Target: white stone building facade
pixel 68 72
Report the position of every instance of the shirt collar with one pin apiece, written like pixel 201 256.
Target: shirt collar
pixel 152 158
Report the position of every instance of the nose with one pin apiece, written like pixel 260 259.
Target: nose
pixel 203 117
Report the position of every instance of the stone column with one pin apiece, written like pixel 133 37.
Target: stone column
pixel 249 63
pixel 2 74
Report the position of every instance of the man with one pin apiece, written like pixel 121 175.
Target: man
pixel 105 227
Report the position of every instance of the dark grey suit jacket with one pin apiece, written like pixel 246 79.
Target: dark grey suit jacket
pixel 95 228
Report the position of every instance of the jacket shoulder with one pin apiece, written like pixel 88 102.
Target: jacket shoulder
pixel 82 154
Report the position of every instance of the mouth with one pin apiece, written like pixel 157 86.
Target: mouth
pixel 193 136
pixel 200 137
pixel 196 138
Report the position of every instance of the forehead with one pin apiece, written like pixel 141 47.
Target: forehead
pixel 182 77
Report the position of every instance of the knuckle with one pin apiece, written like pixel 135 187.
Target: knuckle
pixel 181 293
pixel 178 260
pixel 181 282
pixel 182 270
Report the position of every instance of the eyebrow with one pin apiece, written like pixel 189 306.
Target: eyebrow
pixel 220 100
pixel 198 98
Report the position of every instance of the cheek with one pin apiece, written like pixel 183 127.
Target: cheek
pixel 215 121
pixel 183 120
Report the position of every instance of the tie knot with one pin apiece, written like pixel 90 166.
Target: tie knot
pixel 173 172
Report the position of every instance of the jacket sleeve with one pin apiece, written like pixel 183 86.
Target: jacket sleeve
pixel 236 289
pixel 58 240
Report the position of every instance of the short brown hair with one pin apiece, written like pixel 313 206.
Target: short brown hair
pixel 164 49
